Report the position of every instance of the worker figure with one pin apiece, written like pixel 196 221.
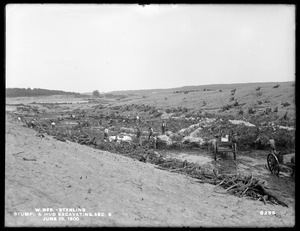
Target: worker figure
pixel 163 127
pixel 272 145
pixel 116 138
pixel 150 133
pixel 232 137
pixel 154 141
pixel 105 134
pixel 32 124
pixel 138 136
pixel 52 124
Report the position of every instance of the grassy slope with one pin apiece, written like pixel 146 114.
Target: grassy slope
pixel 246 94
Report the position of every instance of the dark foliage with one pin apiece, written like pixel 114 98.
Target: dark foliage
pixel 23 92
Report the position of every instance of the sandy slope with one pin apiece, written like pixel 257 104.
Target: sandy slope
pixel 68 175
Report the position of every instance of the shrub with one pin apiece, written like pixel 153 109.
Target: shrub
pixel 236 103
pixel 282 138
pixel 204 103
pixel 275 109
pixel 285 104
pixel 96 93
pixel 220 90
pixel 268 111
pixel 226 107
pixel 258 88
pixel 259 102
pixel 168 110
pixel 182 109
pixel 251 110
pixel 231 99
pixel 259 93
pixel 241 112
pixel 276 86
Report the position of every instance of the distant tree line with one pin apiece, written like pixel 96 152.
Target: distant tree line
pixel 23 92
pixel 113 96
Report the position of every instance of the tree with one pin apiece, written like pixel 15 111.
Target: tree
pixel 96 93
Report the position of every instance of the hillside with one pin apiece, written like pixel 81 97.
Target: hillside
pixel 198 88
pixel 262 102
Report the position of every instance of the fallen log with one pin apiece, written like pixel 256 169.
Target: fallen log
pixel 59 138
pixel 26 159
pixel 176 169
pixel 18 153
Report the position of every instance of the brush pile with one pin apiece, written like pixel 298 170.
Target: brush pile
pixel 235 184
pixel 249 187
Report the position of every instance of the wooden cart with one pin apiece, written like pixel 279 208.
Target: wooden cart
pixel 225 146
pixel 275 162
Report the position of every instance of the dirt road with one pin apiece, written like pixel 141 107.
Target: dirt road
pixel 46 173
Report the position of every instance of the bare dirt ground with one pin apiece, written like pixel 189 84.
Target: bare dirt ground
pixel 47 173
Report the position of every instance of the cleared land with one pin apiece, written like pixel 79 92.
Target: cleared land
pixel 42 172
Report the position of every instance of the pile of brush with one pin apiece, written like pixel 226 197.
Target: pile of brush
pixel 236 184
pixel 249 187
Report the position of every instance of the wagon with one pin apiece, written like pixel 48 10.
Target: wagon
pixel 276 161
pixel 225 146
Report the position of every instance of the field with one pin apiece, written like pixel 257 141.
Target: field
pixel 71 166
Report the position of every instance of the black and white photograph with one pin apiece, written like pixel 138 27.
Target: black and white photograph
pixel 150 115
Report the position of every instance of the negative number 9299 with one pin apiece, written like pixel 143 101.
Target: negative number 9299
pixel 267 212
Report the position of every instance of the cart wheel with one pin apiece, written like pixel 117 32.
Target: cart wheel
pixel 273 164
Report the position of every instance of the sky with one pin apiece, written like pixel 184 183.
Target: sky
pixel 109 47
